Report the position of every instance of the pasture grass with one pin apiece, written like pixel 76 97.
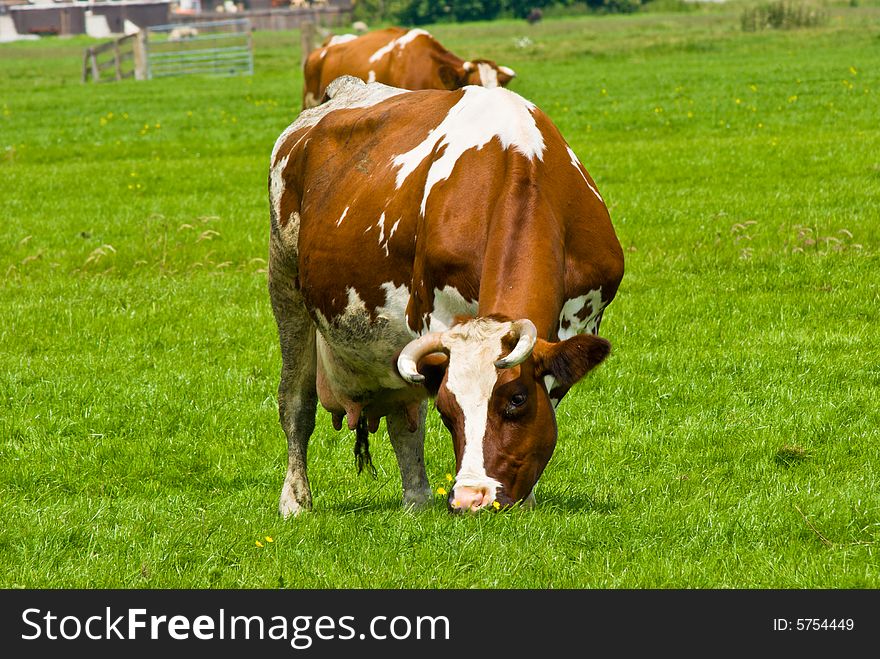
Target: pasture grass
pixel 730 441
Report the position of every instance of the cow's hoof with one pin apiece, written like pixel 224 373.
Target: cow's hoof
pixel 417 499
pixel 288 506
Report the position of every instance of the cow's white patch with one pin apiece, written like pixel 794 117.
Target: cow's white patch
pixel 383 243
pixel 345 92
pixel 549 383
pixel 578 166
pixel 570 321
pixel 381 225
pixel 506 70
pixel 400 42
pixel 480 115
pixel 473 348
pixel 356 349
pixel 371 76
pixel 337 39
pixel 276 185
pixel 310 100
pixel 488 75
pixel 448 303
pixel 396 301
pixel 342 217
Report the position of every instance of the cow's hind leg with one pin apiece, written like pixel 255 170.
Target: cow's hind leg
pixel 297 394
pixel 409 448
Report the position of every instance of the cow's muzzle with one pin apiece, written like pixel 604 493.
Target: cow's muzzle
pixel 470 498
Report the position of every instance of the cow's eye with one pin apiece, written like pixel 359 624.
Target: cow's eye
pixel 515 405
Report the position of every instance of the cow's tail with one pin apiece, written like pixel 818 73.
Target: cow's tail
pixel 362 456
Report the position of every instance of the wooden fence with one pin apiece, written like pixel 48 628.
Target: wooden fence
pixel 124 57
pixel 207 47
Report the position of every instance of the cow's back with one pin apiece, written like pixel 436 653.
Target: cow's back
pixel 393 56
pixel 388 210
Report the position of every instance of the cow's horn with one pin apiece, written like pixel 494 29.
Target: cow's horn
pixel 526 334
pixel 408 360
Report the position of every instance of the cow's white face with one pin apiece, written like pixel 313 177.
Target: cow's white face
pixel 493 400
pixel 486 73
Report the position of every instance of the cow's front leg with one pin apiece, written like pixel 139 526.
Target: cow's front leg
pixel 409 448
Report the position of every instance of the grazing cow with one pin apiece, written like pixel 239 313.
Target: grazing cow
pixel 410 59
pixel 444 244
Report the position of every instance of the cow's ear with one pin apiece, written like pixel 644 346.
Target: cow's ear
pixel 450 76
pixel 433 367
pixel 505 75
pixel 570 360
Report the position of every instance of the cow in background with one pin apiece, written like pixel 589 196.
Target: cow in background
pixel 407 59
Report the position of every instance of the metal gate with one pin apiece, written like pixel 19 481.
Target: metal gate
pixel 209 48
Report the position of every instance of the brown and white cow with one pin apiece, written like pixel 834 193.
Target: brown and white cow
pixel 444 244
pixel 409 59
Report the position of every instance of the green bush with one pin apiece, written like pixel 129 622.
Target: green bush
pixel 475 10
pixel 421 12
pixel 782 15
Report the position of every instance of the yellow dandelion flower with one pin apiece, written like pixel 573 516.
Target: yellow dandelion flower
pixel 853 71
pixel 496 505
pixel 449 478
pixel 441 491
pixel 269 538
pixel 792 99
pixel 455 503
pixel 259 544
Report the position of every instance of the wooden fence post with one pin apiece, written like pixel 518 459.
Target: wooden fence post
pixel 85 75
pixel 96 72
pixel 140 55
pixel 307 40
pixel 116 60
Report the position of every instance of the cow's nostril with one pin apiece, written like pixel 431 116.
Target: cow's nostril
pixel 469 498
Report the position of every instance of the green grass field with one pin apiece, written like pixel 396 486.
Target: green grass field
pixel 732 440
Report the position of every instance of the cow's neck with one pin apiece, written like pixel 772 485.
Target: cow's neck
pixel 523 278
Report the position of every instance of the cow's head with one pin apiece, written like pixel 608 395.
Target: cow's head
pixel 481 72
pixel 490 379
